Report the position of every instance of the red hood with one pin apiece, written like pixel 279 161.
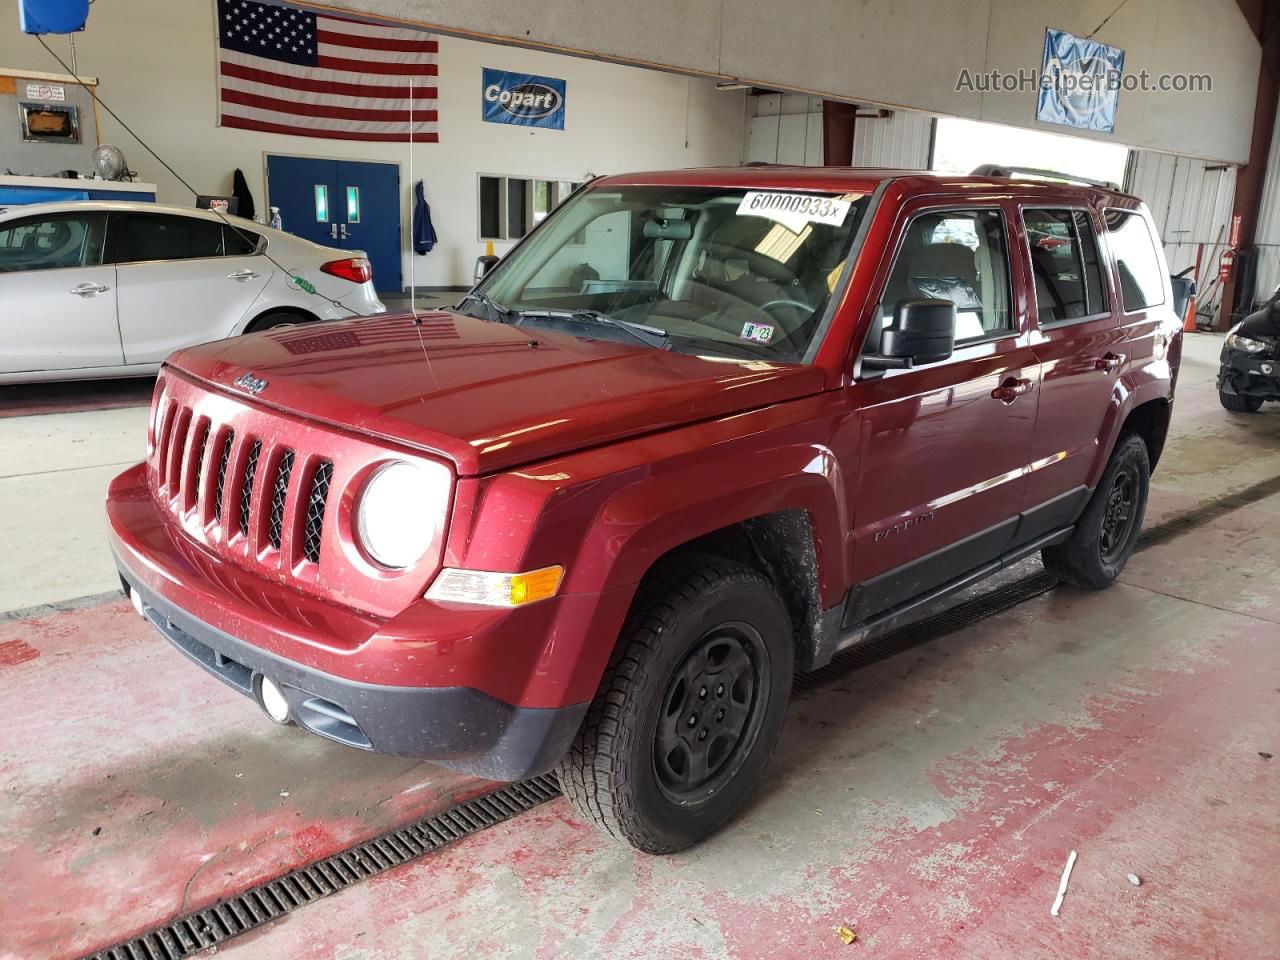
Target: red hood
pixel 478 393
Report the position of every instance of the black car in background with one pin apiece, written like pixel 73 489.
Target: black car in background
pixel 1250 371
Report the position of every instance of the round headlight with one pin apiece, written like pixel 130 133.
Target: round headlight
pixel 398 515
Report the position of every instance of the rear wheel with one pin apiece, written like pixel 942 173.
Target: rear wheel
pixel 1238 404
pixel 1107 531
pixel 689 709
pixel 278 318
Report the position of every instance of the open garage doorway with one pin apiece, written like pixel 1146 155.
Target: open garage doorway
pixel 960 145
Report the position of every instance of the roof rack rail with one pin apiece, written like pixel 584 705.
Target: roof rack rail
pixel 999 170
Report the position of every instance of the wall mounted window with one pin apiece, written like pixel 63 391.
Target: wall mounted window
pixel 512 206
pixel 322 203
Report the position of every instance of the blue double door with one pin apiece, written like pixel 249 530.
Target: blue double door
pixel 348 204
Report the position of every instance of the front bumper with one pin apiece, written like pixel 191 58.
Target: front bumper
pixel 1249 375
pixel 470 688
pixel 457 727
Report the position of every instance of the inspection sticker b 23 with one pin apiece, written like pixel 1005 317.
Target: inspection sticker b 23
pixel 794 210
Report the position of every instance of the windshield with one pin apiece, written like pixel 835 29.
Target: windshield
pixel 714 270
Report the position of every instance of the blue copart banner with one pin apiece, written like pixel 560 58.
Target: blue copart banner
pixel 523 99
pixel 52 16
pixel 1079 82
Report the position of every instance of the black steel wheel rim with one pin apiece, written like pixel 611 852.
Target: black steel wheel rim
pixel 710 712
pixel 1119 515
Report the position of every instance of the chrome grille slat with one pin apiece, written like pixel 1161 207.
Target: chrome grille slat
pixel 220 486
pixel 246 491
pixel 279 494
pixel 314 527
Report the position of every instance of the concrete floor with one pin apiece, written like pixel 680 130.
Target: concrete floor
pixel 928 802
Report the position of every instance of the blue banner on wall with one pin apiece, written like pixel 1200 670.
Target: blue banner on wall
pixel 523 99
pixel 1079 82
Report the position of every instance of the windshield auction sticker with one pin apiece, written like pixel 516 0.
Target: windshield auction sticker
pixel 794 210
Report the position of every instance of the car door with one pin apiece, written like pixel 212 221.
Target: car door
pixel 176 286
pixel 944 445
pixel 57 299
pixel 1079 342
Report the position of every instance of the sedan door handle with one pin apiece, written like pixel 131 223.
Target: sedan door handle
pixel 242 275
pixel 1109 361
pixel 1011 390
pixel 88 289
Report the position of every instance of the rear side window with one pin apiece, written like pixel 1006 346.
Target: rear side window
pixel 1141 280
pixel 956 255
pixel 144 237
pixel 47 243
pixel 238 242
pixel 1064 262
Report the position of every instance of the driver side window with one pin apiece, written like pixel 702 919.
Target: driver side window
pixel 956 255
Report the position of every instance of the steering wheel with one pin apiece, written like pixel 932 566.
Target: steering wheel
pixel 785 302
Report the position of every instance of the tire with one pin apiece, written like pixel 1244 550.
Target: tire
pixel 278 318
pixel 1107 531
pixel 681 652
pixel 1239 404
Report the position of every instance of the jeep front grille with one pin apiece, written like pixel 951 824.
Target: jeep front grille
pixel 271 493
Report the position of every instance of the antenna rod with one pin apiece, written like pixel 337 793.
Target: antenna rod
pixel 413 185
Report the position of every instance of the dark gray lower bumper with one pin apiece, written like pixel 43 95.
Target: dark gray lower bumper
pixel 1249 375
pixel 457 727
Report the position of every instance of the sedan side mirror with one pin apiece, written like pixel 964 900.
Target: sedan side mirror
pixel 484 264
pixel 923 331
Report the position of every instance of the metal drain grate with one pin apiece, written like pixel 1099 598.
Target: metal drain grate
pixel 202 929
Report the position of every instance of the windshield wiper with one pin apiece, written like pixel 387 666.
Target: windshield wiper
pixel 494 310
pixel 654 337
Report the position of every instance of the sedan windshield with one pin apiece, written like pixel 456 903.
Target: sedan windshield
pixel 706 270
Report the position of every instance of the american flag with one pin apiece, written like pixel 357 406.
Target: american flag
pixel 285 70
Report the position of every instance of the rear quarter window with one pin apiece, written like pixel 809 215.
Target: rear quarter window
pixel 1138 265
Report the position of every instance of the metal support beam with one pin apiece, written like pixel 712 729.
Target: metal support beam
pixel 838 121
pixel 1264 20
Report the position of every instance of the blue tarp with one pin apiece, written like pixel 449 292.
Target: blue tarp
pixel 1079 82
pixel 52 16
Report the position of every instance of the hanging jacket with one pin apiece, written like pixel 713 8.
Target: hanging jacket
pixel 424 232
pixel 240 190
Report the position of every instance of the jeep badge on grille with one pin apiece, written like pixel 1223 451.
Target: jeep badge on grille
pixel 251 383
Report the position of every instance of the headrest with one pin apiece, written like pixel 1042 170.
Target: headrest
pixel 944 260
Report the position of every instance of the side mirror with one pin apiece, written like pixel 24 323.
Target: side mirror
pixel 923 331
pixel 484 264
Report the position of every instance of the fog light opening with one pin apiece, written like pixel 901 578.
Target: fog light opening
pixel 272 700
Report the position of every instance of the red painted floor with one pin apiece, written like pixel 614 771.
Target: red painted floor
pixel 136 787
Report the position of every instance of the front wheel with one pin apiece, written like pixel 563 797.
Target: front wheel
pixel 1238 404
pixel 689 709
pixel 1107 531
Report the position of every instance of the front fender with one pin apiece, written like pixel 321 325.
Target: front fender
pixel 608 514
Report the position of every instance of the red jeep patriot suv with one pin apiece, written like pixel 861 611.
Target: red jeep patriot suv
pixel 697 432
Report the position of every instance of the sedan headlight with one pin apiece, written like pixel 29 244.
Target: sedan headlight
pixel 399 514
pixel 1247 344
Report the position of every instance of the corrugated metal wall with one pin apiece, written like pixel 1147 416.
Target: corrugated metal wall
pixel 788 129
pixel 1191 203
pixel 1268 234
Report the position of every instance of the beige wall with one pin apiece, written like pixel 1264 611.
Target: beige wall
pixel 156 61
pixel 905 53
